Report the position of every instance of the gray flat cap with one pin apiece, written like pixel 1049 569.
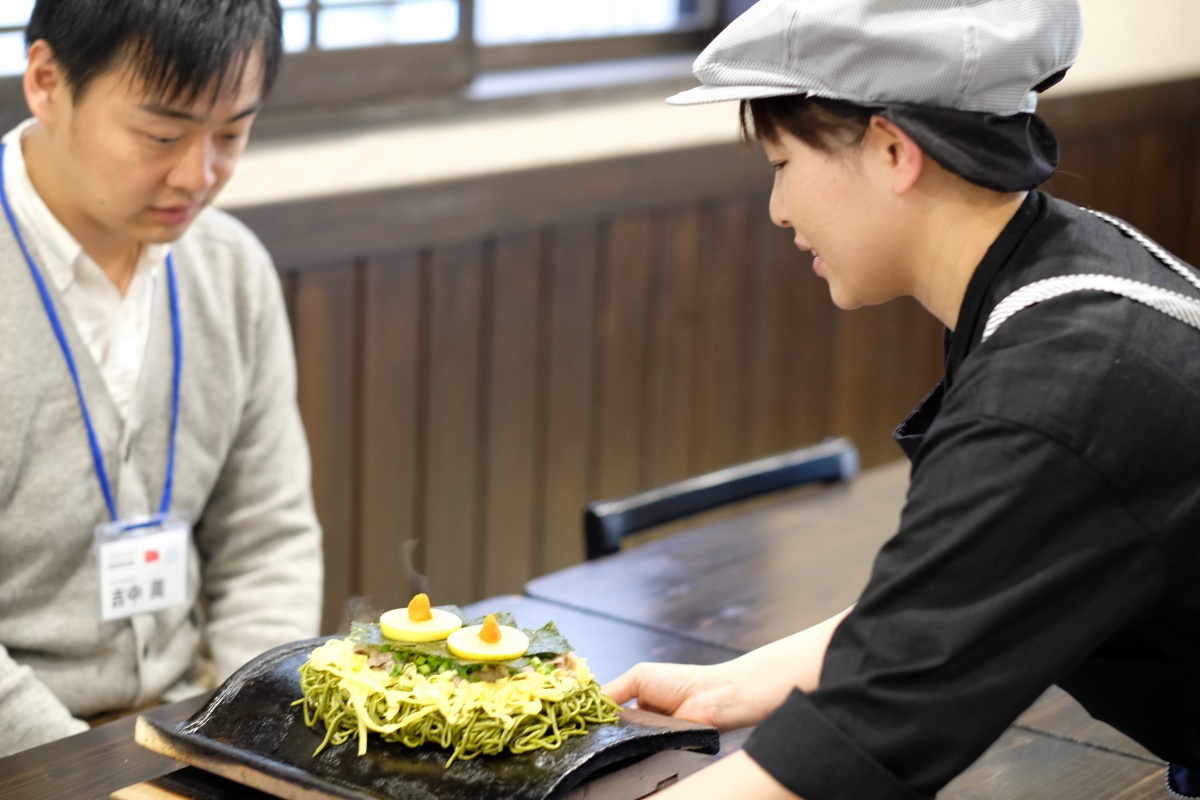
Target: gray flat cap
pixel 968 55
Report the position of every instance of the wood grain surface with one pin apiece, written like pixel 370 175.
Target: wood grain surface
pixel 1054 752
pixel 92 764
pixel 748 580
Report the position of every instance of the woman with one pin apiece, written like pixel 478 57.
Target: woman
pixel 1052 529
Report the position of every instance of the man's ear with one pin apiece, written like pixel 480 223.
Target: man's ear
pixel 45 83
pixel 899 156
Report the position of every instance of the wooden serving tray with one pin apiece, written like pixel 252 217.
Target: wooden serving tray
pixel 249 733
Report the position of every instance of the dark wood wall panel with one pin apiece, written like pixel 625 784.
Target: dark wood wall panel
pixel 326 343
pixel 511 392
pixel 450 528
pixel 672 325
pixel 1096 173
pixel 720 332
pixel 770 386
pixel 480 359
pixel 571 271
pixel 811 360
pixel 1135 153
pixel 316 232
pixel 1163 165
pixel 884 368
pixel 1192 249
pixel 390 412
pixel 629 250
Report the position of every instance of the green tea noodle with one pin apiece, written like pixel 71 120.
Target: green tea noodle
pixel 523 712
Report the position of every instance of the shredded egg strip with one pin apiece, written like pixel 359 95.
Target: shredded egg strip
pixel 455 699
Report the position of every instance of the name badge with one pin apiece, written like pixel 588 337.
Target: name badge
pixel 143 566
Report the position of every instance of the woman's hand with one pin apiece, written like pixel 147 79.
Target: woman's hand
pixel 734 694
pixel 711 695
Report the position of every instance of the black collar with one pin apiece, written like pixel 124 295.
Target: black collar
pixel 973 313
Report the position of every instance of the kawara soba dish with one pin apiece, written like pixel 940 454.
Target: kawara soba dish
pixel 421 676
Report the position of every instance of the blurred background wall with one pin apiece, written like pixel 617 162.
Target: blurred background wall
pixel 499 318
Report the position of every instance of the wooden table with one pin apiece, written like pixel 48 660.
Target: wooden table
pixel 100 761
pixel 700 597
pixel 91 764
pixel 750 579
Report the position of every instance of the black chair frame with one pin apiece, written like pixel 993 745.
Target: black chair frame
pixel 606 522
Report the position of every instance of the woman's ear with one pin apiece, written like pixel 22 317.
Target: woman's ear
pixel 895 153
pixel 45 83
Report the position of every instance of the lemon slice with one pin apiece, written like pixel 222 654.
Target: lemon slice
pixel 488 642
pixel 397 624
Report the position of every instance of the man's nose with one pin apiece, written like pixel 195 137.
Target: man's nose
pixel 196 171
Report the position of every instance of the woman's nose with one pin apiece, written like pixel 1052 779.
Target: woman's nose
pixel 778 213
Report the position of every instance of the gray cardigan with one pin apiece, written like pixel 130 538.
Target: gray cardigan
pixel 241 474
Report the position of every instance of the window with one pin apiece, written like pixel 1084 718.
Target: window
pixel 340 24
pixel 484 35
pixel 13 16
pixel 337 24
pixel 345 50
pixel 501 22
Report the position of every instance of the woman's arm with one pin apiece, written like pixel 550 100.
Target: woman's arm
pixel 737 693
pixel 735 775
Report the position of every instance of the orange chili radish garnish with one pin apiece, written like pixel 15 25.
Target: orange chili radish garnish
pixel 490 632
pixel 418 622
pixel 418 608
pixel 487 642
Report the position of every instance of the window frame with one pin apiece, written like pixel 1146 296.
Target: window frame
pixel 352 79
pixel 493 58
pixel 359 74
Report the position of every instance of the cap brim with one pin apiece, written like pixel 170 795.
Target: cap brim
pixel 724 94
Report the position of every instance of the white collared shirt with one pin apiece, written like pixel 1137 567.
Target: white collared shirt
pixel 115 329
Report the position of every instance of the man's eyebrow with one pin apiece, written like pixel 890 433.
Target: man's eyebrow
pixel 158 109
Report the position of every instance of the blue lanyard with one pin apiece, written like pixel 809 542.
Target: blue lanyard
pixel 60 334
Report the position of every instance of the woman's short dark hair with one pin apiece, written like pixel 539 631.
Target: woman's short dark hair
pixel 179 48
pixel 819 122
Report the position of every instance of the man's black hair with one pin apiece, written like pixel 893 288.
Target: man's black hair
pixel 179 48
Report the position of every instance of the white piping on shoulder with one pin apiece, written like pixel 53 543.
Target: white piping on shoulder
pixel 1181 307
pixel 1154 247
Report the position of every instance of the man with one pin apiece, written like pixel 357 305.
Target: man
pixel 154 486
pixel 1051 533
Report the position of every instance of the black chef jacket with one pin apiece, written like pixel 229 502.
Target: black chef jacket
pixel 1050 535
